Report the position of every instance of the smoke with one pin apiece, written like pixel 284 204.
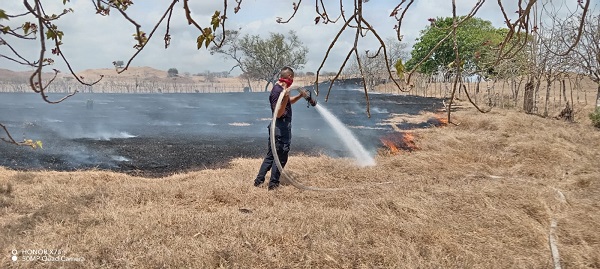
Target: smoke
pixel 378 110
pixel 99 132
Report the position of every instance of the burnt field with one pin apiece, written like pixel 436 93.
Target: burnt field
pixel 160 134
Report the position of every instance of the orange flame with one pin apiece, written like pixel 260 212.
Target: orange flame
pixel 398 142
pixel 441 119
pixel 390 145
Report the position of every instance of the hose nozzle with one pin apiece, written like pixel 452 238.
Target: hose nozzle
pixel 308 96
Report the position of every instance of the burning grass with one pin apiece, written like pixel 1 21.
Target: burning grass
pixel 478 195
pixel 400 141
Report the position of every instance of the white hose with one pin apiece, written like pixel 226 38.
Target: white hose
pixel 285 175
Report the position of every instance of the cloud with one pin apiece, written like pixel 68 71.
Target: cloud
pixel 94 41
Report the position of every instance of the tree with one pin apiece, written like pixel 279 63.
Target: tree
pixel 210 76
pixel 475 40
pixel 261 59
pixel 544 64
pixel 118 64
pixel 173 72
pixel 587 53
pixel 397 51
pixel 374 68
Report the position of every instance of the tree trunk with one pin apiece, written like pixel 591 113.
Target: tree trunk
pixel 514 90
pixel 249 84
pixel 536 96
pixel 528 97
pixel 559 98
pixel 502 93
pixel 548 88
pixel 476 90
pixel 572 103
pixel 564 92
pixel 598 96
pixel 267 86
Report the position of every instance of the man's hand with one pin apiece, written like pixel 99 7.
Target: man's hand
pixel 303 92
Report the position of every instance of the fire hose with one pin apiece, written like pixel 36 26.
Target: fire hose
pixel 284 175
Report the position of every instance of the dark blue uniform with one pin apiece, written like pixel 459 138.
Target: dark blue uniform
pixel 283 139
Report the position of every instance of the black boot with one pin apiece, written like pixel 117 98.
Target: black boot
pixel 258 182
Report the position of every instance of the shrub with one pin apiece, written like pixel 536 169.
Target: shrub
pixel 595 117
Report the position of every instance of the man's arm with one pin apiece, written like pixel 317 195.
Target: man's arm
pixel 299 96
pixel 286 99
pixel 296 98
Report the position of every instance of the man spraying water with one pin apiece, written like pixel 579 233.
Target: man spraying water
pixel 283 127
pixel 281 134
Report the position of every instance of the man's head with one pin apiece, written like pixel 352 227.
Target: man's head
pixel 287 73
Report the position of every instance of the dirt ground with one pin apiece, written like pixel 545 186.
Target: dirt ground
pixel 481 194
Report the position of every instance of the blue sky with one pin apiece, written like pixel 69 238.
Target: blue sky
pixel 93 41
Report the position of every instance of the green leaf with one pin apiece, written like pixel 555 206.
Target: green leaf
pixel 216 20
pixel 206 37
pixel 208 40
pixel 26 27
pixel 50 34
pixel 399 68
pixel 3 15
pixel 33 144
pixel 199 41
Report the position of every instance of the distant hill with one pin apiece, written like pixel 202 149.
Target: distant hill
pixel 130 73
pixel 10 75
pixel 134 80
pixel 144 72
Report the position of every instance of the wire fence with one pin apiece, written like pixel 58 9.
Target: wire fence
pixel 548 96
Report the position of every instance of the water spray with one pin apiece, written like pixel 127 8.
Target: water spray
pixel 360 154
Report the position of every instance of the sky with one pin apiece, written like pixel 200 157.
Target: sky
pixel 92 41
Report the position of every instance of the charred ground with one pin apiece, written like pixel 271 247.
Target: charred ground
pixel 155 135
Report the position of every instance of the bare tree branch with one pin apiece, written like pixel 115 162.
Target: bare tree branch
pixel 295 8
pixel 168 11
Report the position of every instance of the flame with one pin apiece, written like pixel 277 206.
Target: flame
pixel 398 142
pixel 409 141
pixel 442 119
pixel 390 145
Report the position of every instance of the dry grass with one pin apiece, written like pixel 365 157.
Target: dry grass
pixel 478 195
pixel 583 97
